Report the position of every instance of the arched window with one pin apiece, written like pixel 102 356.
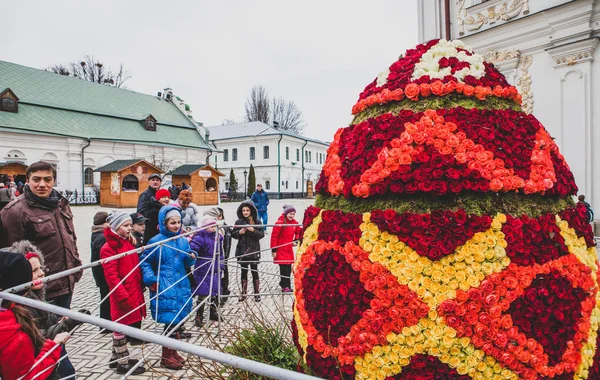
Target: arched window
pixel 88 177
pixel 211 184
pixel 268 185
pixel 131 183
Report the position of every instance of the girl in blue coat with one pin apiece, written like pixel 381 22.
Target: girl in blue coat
pixel 162 269
pixel 207 272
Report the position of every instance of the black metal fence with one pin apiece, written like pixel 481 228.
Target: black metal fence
pixel 239 196
pixel 87 197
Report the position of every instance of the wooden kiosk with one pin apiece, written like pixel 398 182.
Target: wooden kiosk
pixel 122 182
pixel 203 179
pixel 12 171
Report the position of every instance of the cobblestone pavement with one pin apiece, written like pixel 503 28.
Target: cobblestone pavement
pixel 90 352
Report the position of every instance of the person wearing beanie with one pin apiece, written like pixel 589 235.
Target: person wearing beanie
pixel 149 206
pixel 124 279
pixel 170 260
pixel 225 232
pixel 285 232
pixel 96 243
pixel 248 249
pixel 207 270
pixel 21 343
pixel 163 197
pixel 49 324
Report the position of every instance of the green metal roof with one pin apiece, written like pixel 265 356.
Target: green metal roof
pixel 117 165
pixel 50 103
pixel 186 169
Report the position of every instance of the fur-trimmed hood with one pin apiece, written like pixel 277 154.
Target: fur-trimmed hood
pixel 253 210
pixel 25 246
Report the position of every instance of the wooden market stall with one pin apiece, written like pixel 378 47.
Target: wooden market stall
pixel 203 179
pixel 12 171
pixel 122 182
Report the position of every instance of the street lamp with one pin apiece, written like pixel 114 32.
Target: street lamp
pixel 245 186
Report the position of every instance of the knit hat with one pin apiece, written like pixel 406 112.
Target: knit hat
pixel 100 218
pixel 162 193
pixel 172 213
pixel 14 270
pixel 213 212
pixel 116 218
pixel 27 249
pixel 208 220
pixel 288 208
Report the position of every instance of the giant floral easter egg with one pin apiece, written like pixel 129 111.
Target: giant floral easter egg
pixel 445 242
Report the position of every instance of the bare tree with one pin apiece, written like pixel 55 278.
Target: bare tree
pixel 228 121
pixel 92 70
pixel 287 114
pixel 257 105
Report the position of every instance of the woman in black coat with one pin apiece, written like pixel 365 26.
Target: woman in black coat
pixel 247 251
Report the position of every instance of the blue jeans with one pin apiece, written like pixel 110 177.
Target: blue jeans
pixel 263 217
pixel 65 368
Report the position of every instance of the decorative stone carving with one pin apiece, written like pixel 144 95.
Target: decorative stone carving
pixel 574 53
pixel 475 17
pixel 524 84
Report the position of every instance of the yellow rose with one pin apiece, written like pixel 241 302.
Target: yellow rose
pixel 377 351
pixel 454 362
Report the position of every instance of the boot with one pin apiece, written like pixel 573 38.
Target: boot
pixel 244 290
pixel 168 361
pixel 199 320
pixel 213 312
pixel 256 290
pixel 178 358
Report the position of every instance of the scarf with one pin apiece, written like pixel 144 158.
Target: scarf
pixel 49 203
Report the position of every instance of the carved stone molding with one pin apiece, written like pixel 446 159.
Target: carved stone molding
pixel 574 53
pixel 504 60
pixel 475 17
pixel 524 83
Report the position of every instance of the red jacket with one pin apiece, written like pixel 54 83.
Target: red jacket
pixel 17 354
pixel 128 295
pixel 284 235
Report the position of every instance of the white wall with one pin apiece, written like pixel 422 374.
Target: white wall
pixel 99 153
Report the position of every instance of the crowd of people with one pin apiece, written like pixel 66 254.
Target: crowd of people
pixel 179 254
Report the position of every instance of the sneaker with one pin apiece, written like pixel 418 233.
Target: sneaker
pixel 184 335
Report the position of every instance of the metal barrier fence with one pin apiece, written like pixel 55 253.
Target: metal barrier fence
pixel 86 197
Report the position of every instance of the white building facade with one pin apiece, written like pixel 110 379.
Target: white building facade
pixel 283 162
pixel 79 126
pixel 547 48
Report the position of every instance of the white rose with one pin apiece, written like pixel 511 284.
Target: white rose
pixel 382 77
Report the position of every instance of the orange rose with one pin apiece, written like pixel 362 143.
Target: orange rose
pixel 449 88
pixel 496 185
pixel 361 190
pixel 497 91
pixel 398 94
pixel 412 91
pixel 459 87
pixel 437 88
pixel 468 90
pixel 425 89
pixel 482 92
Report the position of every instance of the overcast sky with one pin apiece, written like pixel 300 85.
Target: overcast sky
pixel 320 54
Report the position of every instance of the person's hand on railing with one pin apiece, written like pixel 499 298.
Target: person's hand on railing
pixel 62 337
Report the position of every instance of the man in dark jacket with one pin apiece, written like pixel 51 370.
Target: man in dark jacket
pixel 261 201
pixel 149 206
pixel 97 242
pixel 43 216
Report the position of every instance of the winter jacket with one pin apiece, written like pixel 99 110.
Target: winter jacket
pixel 190 215
pixel 51 230
pixel 17 353
pixel 261 200
pixel 96 244
pixel 172 268
pixel 49 324
pixel 226 240
pixel 127 295
pixel 149 207
pixel 284 236
pixel 5 195
pixel 139 239
pixel 204 244
pixel 248 247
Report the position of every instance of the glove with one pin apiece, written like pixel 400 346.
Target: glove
pixel 71 323
pixel 125 304
pixel 153 287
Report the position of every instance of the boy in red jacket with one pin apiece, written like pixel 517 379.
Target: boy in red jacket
pixel 282 247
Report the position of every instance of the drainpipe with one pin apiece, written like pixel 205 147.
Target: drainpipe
pixel 447 18
pixel 89 141
pixel 279 168
pixel 302 158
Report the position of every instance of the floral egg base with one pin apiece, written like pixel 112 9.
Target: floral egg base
pixel 447 295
